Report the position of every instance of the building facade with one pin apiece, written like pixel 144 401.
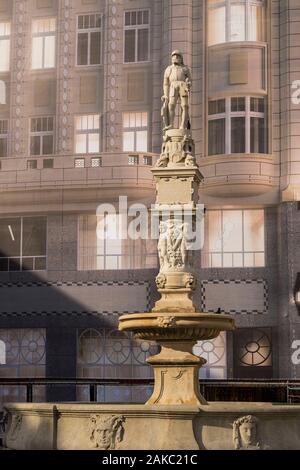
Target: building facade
pixel 80 126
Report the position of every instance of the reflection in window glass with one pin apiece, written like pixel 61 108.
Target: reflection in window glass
pixel 4 47
pixel 234 238
pixel 23 244
pixel 104 244
pixel 43 43
pixel 238 23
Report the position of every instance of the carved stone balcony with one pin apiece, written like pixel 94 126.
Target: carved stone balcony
pixel 77 181
pixel 238 175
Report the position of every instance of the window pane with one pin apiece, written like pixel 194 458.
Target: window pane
pixel 47 144
pixel 238 23
pixel 216 137
pixel 216 107
pixel 126 120
pixel 129 46
pixel 143 38
pixel 37 53
pixel 34 236
pixel 237 104
pixel 232 231
pixel 4 54
pixel 214 233
pixel 254 230
pixel 80 146
pixel 258 135
pixel 142 141
pixel 93 143
pixel 35 145
pixel 128 141
pixel 3 147
pixel 257 105
pixel 238 135
pixel 95 51
pixel 256 23
pixel 10 237
pixel 216 25
pixel 82 49
pixel 49 57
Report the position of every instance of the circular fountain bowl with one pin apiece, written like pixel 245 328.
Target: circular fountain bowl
pixel 160 326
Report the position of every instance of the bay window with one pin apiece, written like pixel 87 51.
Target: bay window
pixel 235 20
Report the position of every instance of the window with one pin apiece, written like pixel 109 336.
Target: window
pixel 2 92
pixel 79 163
pixel 147 160
pixel 234 238
pixel 89 39
pixel 31 164
pixel 23 244
pixel 232 20
pixel 135 132
pixel 22 354
pixel 43 43
pixel 133 160
pixel 136 36
pixel 87 128
pixel 4 47
pixel 237 125
pixel 214 351
pixel 102 247
pixel 41 135
pixel 48 163
pixel 96 162
pixel 3 137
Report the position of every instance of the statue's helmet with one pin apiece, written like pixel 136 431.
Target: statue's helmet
pixel 177 52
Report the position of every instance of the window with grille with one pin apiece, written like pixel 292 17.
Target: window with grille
pixel 43 43
pixel 136 36
pixel 42 135
pixel 89 39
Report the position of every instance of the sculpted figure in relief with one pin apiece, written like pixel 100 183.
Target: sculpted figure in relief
pixel 245 433
pixel 106 432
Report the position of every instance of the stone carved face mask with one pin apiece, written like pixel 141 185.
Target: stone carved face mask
pixel 248 434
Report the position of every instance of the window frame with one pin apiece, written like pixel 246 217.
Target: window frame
pixel 7 37
pixel 4 136
pixel 205 254
pixel 21 256
pixel 41 134
pixel 247 114
pixel 248 4
pixel 44 35
pixel 135 129
pixel 135 28
pixel 89 31
pixel 86 132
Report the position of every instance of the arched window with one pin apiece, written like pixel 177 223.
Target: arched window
pixel 2 92
pixel 2 352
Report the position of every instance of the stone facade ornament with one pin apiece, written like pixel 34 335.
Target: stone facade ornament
pixel 245 433
pixel 160 281
pixel 106 432
pixel 166 322
pixel 15 426
pixel 173 244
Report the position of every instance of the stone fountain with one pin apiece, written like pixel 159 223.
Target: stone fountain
pixel 176 416
pixel 175 322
